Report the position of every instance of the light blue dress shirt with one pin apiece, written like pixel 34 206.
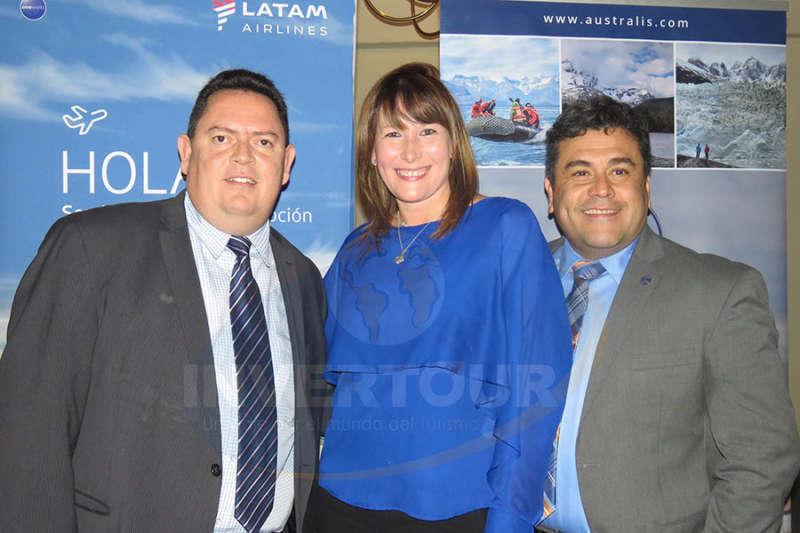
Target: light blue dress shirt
pixel 569 515
pixel 214 266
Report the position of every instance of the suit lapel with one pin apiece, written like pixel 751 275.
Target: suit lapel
pixel 305 448
pixel 556 244
pixel 185 283
pixel 635 288
pixel 290 288
pixel 292 301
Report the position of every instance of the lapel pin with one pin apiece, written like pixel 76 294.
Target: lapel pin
pixel 166 298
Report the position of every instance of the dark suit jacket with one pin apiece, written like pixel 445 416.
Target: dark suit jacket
pixel 687 423
pixel 108 416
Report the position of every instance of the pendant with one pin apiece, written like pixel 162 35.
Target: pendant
pixel 399 259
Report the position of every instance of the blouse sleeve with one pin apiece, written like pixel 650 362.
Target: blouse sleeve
pixel 538 362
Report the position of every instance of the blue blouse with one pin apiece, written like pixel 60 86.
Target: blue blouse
pixel 450 368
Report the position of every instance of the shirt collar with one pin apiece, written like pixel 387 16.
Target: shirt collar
pixel 615 264
pixel 216 241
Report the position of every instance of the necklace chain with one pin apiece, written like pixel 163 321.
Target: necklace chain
pixel 403 249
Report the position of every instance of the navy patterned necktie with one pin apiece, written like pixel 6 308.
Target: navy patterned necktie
pixel 258 438
pixel 577 302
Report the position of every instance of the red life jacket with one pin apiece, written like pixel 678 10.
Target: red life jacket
pixel 533 117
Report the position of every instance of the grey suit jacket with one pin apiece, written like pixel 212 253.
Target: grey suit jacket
pixel 687 423
pixel 108 415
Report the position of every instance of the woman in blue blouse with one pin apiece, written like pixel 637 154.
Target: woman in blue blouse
pixel 448 340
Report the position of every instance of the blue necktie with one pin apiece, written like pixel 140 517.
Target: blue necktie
pixel 577 302
pixel 258 438
pixel 578 297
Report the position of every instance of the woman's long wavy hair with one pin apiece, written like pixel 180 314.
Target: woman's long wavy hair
pixel 412 92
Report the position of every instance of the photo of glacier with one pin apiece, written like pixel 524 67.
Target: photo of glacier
pixel 637 73
pixel 733 99
pixel 481 68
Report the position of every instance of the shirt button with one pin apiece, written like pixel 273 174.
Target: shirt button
pixel 216 470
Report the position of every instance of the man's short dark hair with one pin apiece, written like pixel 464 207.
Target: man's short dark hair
pixel 598 113
pixel 238 80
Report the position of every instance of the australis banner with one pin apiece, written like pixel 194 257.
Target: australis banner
pixel 704 77
pixel 93 96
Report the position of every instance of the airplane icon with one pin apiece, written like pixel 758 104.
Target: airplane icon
pixel 78 119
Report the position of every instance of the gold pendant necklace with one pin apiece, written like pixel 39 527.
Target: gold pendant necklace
pixel 403 249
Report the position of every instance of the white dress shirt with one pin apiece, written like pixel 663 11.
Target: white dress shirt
pixel 215 262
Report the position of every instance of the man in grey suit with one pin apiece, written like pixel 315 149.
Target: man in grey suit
pixel 120 386
pixel 678 417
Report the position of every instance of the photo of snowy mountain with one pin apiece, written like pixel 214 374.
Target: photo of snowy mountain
pixel 582 85
pixel 733 99
pixel 479 68
pixel 630 72
pixel 543 89
pixel 636 73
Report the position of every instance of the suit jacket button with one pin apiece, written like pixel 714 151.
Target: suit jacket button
pixel 216 470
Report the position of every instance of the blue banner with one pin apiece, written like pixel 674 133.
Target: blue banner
pixel 712 83
pixel 93 96
pixel 556 19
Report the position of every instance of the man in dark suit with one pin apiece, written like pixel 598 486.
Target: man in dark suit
pixel 678 417
pixel 124 383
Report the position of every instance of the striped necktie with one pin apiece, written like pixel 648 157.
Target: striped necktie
pixel 577 302
pixel 578 298
pixel 258 439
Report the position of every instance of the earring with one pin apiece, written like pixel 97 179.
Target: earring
pixel 374 162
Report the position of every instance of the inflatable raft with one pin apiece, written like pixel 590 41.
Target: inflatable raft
pixel 500 129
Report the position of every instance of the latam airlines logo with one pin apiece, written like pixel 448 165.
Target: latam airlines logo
pixel 224 9
pixel 280 18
